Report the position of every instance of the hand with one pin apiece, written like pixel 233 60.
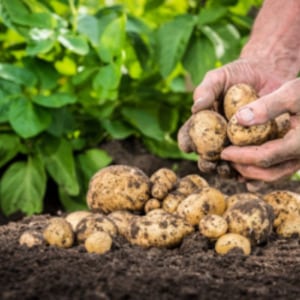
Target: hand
pixel 278 158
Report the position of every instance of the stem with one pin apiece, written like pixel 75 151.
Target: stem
pixel 74 13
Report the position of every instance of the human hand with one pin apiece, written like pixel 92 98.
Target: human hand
pixel 274 159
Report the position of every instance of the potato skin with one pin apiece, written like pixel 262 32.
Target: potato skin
pixel 31 238
pixel 208 133
pixel 213 226
pixel 75 217
pixel 152 204
pixel 118 187
pixel 290 227
pixel 98 242
pixel 231 200
pixel 171 202
pixel 190 184
pixel 121 219
pixel 232 241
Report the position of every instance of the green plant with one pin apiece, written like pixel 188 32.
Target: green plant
pixel 74 73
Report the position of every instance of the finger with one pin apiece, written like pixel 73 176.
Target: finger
pixel 272 174
pixel 284 99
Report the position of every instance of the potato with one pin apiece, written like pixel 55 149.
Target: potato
pixel 282 124
pixel 231 200
pixel 208 133
pixel 162 181
pixel 118 187
pixel 232 241
pixel 121 219
pixel 152 204
pixel 190 183
pixel 31 238
pixel 284 203
pixel 93 223
pixel 75 217
pixel 290 227
pixel 157 229
pixel 98 242
pixel 171 202
pixel 252 218
pixel 237 96
pixel 59 233
pixel 213 226
pixel 207 201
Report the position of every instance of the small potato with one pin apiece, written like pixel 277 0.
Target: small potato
pixel 283 125
pixel 94 223
pixel 290 227
pixel 252 218
pixel 213 226
pixel 190 183
pixel 121 219
pixel 157 229
pixel 31 238
pixel 118 187
pixel 231 200
pixel 284 203
pixel 237 96
pixel 98 242
pixel 207 201
pixel 152 204
pixel 171 202
pixel 208 133
pixel 162 181
pixel 75 217
pixel 233 241
pixel 59 233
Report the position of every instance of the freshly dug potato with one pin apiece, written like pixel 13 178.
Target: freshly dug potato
pixel 75 217
pixel 118 187
pixel 231 200
pixel 252 218
pixel 233 241
pixel 162 182
pixel 284 203
pixel 237 96
pixel 171 202
pixel 207 201
pixel 59 233
pixel 152 204
pixel 290 227
pixel 208 133
pixel 206 166
pixel 190 184
pixel 93 223
pixel 31 238
pixel 213 226
pixel 158 229
pixel 121 218
pixel 98 242
pixel 282 124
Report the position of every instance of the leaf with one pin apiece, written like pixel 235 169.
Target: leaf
pixel 108 77
pixel 23 187
pixel 66 66
pixel 17 74
pixel 172 41
pixel 88 26
pixel 9 147
pixel 117 129
pixel 70 203
pixel 58 158
pixel 76 44
pixel 37 47
pixel 4 107
pixel 199 58
pixel 55 100
pixel 27 119
pixel 210 15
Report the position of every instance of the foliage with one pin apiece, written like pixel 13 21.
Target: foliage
pixel 74 73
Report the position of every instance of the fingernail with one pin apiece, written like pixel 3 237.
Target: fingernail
pixel 198 104
pixel 245 114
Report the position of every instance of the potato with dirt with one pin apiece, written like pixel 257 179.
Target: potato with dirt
pixel 152 204
pixel 157 229
pixel 31 238
pixel 232 199
pixel 233 242
pixel 290 227
pixel 171 202
pixel 98 242
pixel 76 216
pixel 121 218
pixel 190 184
pixel 118 187
pixel 213 226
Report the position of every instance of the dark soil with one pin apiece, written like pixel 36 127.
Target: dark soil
pixel 191 271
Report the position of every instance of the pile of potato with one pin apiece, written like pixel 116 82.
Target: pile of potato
pixel 161 210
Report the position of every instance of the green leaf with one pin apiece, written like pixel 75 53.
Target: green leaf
pixel 108 77
pixel 93 160
pixel 17 74
pixel 4 108
pixel 28 119
pixel 74 203
pixel 23 187
pixel 58 157
pixel 55 100
pixel 211 14
pixel 9 147
pixel 76 44
pixel 88 26
pixel 37 47
pixel 199 58
pixel 146 120
pixel 117 129
pixel 172 41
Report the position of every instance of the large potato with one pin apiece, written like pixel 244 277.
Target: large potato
pixel 213 226
pixel 76 216
pixel 118 187
pixel 157 229
pixel 208 133
pixel 231 200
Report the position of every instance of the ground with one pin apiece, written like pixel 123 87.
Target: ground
pixel 190 271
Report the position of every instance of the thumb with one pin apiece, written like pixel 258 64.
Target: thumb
pixel 285 99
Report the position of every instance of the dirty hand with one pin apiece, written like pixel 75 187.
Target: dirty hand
pixel 274 159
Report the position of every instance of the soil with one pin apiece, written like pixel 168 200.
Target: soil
pixel 190 271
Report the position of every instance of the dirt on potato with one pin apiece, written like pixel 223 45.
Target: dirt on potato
pixel 191 270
